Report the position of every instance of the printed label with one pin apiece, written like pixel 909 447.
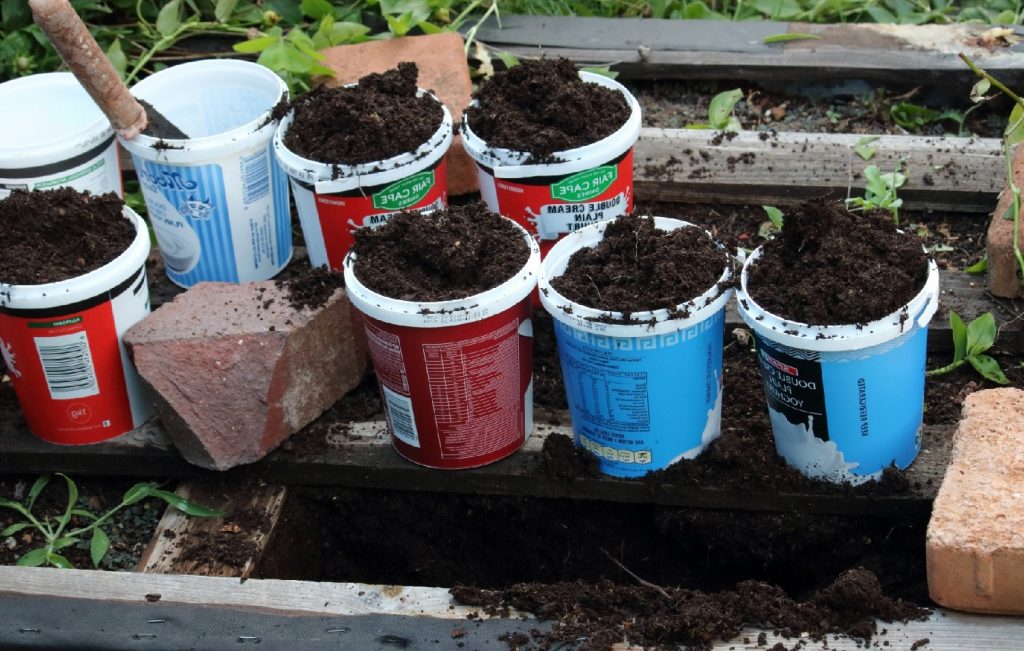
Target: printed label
pixel 585 185
pixel 404 193
pixel 400 417
pixel 99 175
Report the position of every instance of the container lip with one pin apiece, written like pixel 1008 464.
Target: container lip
pixel 648 322
pixel 88 285
pixel 183 150
pixel 439 314
pixel 328 178
pixel 60 146
pixel 836 338
pixel 511 164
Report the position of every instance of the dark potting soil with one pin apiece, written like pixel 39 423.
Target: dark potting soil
pixel 448 254
pixel 55 235
pixel 637 267
pixel 232 545
pixel 311 287
pixel 831 267
pixel 542 107
pixel 376 119
pixel 159 126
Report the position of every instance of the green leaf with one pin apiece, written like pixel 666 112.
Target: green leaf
pixel 117 57
pixel 257 44
pixel 339 33
pixel 698 10
pixel 720 109
pixel 863 148
pixel 959 330
pixel 61 543
pixel 34 558
pixel 15 506
pixel 1015 126
pixel 981 334
pixel 979 89
pixel 14 528
pixel 99 546
pixel 138 492
pixel 16 14
pixel 604 71
pixel 185 506
pixel 37 488
pixel 510 60
pixel 223 9
pixel 317 9
pixel 790 36
pixel 989 368
pixel 429 28
pixel 169 18
pixel 57 560
pixel 979 267
pixel 912 116
pixel 289 10
pixel 774 215
pixel 72 501
pixel 400 25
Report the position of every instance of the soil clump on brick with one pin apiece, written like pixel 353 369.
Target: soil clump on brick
pixel 542 107
pixel 829 266
pixel 378 118
pixel 446 255
pixel 311 287
pixel 637 267
pixel 54 235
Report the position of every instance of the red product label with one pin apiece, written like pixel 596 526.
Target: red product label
pixel 342 213
pixel 68 374
pixel 455 396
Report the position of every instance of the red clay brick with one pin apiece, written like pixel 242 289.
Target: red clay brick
pixel 443 69
pixel 975 542
pixel 1003 272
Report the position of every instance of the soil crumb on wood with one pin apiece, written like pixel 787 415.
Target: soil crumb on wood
pixel 311 287
pixel 543 107
pixel 376 119
pixel 831 267
pixel 55 235
pixel 446 255
pixel 604 614
pixel 637 267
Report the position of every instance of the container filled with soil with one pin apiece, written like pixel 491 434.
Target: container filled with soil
pixel 359 154
pixel 72 281
pixel 553 146
pixel 639 310
pixel 446 309
pixel 217 201
pixel 839 304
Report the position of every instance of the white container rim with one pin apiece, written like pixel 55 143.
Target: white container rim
pixel 440 314
pixel 49 146
pixel 187 151
pixel 511 164
pixel 328 178
pixel 88 285
pixel 838 338
pixel 647 323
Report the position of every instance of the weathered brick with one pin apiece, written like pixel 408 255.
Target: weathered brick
pixel 235 370
pixel 443 69
pixel 975 542
pixel 1003 271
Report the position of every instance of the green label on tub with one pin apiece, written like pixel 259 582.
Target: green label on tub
pixel 71 320
pixel 404 193
pixel 585 185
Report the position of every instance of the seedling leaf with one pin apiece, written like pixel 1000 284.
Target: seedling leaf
pixel 981 334
pixel 14 528
pixel 223 10
pixel 989 368
pixel 979 89
pixel 791 36
pixel 34 558
pixel 1015 126
pixel 37 488
pixel 720 109
pixel 137 493
pixel 61 543
pixel 959 330
pixel 185 506
pixel 169 18
pixel 57 560
pixel 979 267
pixel 510 60
pixel 863 148
pixel 774 215
pixel 604 71
pixel 99 546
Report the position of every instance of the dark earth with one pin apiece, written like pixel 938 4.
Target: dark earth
pixel 310 287
pixel 446 255
pixel 55 235
pixel 376 119
pixel 158 126
pixel 638 267
pixel 543 107
pixel 830 266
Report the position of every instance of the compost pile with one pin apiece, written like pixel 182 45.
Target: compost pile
pixel 378 118
pixel 543 107
pixel 637 267
pixel 831 267
pixel 603 614
pixel 55 235
pixel 446 255
pixel 311 287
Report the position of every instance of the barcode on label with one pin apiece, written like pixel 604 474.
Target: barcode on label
pixel 255 177
pixel 399 412
pixel 67 366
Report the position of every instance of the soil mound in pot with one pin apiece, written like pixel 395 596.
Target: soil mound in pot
pixel 833 267
pixel 446 255
pixel 638 267
pixel 55 235
pixel 542 107
pixel 378 118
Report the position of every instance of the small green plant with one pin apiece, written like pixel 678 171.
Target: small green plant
pixel 969 345
pixel 864 149
pixel 880 192
pixel 56 533
pixel 774 223
pixel 914 117
pixel 720 112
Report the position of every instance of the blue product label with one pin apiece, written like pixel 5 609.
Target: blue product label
pixel 282 213
pixel 846 416
pixel 643 403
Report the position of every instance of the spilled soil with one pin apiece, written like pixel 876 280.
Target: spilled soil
pixel 543 107
pixel 376 119
pixel 55 235
pixel 831 267
pixel 638 267
pixel 448 254
pixel 311 287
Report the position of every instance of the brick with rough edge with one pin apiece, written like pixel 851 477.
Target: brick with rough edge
pixel 443 69
pixel 975 541
pixel 235 369
pixel 1003 271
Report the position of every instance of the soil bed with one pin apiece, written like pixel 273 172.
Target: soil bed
pixel 376 119
pixel 543 107
pixel 55 235
pixel 446 255
pixel 311 287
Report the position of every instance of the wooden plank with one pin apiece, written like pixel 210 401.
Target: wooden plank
pixel 249 523
pixel 685 165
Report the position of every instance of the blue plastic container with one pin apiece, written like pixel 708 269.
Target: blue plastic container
pixel 645 395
